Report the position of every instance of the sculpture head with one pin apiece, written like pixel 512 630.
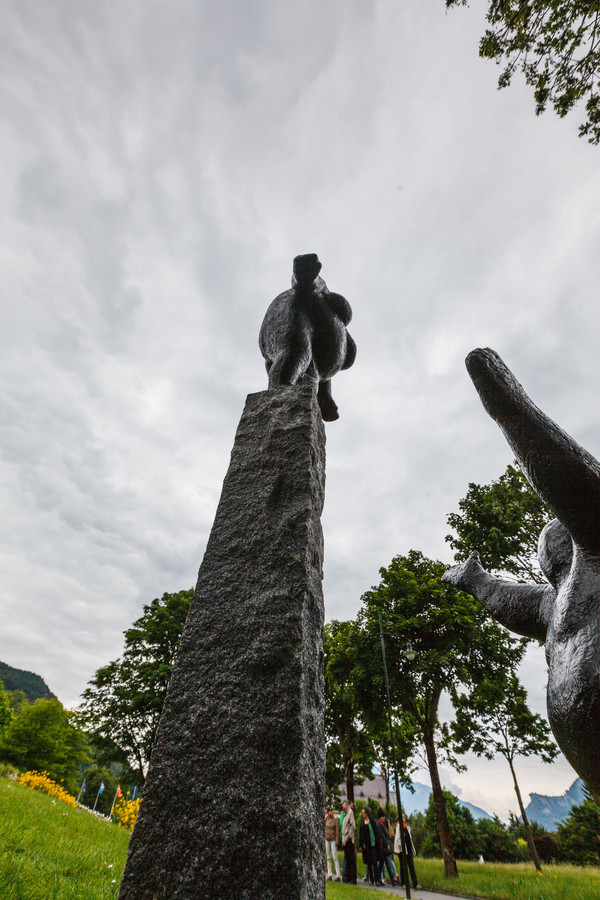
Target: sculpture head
pixel 555 552
pixel 306 268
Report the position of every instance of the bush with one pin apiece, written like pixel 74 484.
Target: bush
pixel 126 811
pixel 496 844
pixel 547 848
pixel 578 837
pixel 8 771
pixel 41 782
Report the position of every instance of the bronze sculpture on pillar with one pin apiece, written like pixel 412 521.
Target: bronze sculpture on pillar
pixel 565 613
pixel 303 337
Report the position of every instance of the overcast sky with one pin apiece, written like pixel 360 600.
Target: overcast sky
pixel 161 166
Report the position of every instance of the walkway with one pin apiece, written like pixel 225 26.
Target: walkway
pixel 415 893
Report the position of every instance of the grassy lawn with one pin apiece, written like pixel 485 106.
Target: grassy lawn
pixel 49 851
pixel 519 881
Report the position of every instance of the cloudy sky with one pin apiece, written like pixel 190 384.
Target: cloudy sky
pixel 161 166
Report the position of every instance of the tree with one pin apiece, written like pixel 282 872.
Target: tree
pixel 95 777
pixel 6 713
pixel 350 750
pixel 457 645
pixel 578 837
pixel 556 44
pixel 122 705
pixel 43 736
pixel 496 843
pixel 502 521
pixel 496 720
pixel 462 827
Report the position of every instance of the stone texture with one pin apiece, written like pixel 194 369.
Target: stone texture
pixel 564 612
pixel 234 799
pixel 303 337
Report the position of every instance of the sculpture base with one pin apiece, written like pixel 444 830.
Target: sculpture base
pixel 234 798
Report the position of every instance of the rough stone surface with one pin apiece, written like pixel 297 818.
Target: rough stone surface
pixel 234 799
pixel 303 337
pixel 565 612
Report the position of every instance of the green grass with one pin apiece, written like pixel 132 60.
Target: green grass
pixel 50 851
pixel 503 881
pixel 520 881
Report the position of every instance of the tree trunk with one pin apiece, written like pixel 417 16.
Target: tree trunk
pixel 450 869
pixel 530 843
pixel 350 780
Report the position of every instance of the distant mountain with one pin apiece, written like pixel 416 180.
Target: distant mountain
pixel 548 811
pixel 33 686
pixel 416 801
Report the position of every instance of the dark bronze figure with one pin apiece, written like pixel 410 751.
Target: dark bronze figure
pixel 303 337
pixel 565 613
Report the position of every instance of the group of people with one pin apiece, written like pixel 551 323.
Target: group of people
pixel 377 842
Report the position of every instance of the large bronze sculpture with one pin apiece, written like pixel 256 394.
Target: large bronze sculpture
pixel 303 337
pixel 565 613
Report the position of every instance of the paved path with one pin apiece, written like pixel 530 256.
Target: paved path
pixel 415 893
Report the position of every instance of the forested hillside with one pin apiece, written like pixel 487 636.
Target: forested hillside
pixel 33 686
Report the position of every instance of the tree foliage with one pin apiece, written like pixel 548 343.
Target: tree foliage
pixel 95 776
pixel 457 646
pixel 578 837
pixel 496 720
pixel 6 713
pixel 122 705
pixel 46 737
pixel 556 44
pixel 350 750
pixel 502 521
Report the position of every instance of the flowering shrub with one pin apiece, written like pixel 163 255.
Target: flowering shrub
pixel 41 782
pixel 126 811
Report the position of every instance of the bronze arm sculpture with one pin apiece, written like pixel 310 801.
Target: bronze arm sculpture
pixel 565 613
pixel 303 337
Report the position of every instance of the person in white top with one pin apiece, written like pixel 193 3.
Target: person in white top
pixel 410 853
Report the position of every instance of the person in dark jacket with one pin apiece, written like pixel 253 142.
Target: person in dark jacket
pixel 386 849
pixel 366 844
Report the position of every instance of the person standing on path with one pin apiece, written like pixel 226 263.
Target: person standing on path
pixel 410 853
pixel 349 842
pixel 387 849
pixel 332 835
pixel 366 844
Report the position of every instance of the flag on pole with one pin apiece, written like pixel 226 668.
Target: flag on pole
pixel 81 791
pixel 118 793
pixel 100 789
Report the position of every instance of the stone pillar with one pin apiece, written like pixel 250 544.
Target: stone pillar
pixel 234 799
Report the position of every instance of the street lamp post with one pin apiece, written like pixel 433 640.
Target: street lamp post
pixel 404 858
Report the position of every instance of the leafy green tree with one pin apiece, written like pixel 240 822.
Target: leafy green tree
pixel 502 521
pixel 95 776
pixel 416 821
pixel 556 44
pixel 45 737
pixel 457 645
pixel 578 837
pixel 122 705
pixel 6 713
pixel 496 720
pixel 496 843
pixel 462 828
pixel 350 749
pixel 517 828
